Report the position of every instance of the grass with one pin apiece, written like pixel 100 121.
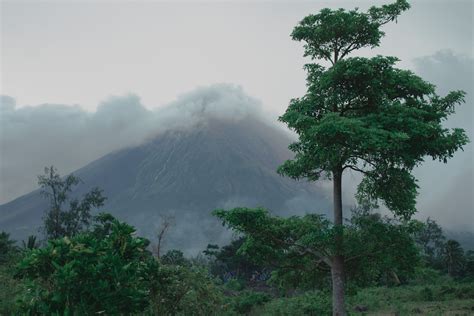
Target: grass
pixel 9 289
pixel 445 299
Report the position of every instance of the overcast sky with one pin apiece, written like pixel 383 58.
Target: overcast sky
pixel 83 52
pixel 80 52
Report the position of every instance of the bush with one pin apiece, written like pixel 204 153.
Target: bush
pixel 235 284
pixel 248 300
pixel 9 287
pixel 427 276
pixel 182 290
pixel 103 271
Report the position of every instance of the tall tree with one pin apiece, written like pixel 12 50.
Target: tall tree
pixel 366 115
pixel 59 221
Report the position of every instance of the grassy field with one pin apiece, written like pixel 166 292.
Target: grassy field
pixel 450 299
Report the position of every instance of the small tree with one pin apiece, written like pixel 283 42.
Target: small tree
pixel 7 247
pixel 377 250
pixel 166 223
pixel 453 257
pixel 175 257
pixel 59 222
pixel 430 238
pixel 363 114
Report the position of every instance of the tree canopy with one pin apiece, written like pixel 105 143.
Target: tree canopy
pixel 299 249
pixel 333 34
pixel 367 115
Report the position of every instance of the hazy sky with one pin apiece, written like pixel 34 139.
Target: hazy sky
pixel 148 53
pixel 80 52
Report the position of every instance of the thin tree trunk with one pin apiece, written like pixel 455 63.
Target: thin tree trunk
pixel 337 268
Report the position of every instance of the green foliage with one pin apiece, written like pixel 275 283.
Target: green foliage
pixel 424 275
pixel 447 256
pixel 87 275
pixel 379 250
pixel 246 301
pixel 235 284
pixel 453 258
pixel 31 243
pixel 59 222
pixel 333 34
pixel 174 257
pixel 7 247
pixel 9 286
pixel 469 265
pixel 430 238
pixel 290 245
pixel 310 303
pixel 229 259
pixel 365 114
pixel 430 299
pixel 180 290
pixel 426 294
pixel 376 249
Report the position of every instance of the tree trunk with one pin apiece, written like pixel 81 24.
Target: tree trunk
pixel 337 268
pixel 337 274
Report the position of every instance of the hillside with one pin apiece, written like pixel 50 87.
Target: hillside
pixel 186 173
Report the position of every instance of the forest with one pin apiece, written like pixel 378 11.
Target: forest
pixel 358 114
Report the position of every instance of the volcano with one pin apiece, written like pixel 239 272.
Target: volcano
pixel 185 174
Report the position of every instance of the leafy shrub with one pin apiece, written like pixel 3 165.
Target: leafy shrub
pixel 100 271
pixel 182 290
pixel 235 284
pixel 248 300
pixel 427 276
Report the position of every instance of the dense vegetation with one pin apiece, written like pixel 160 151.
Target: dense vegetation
pixel 273 268
pixel 107 269
pixel 361 114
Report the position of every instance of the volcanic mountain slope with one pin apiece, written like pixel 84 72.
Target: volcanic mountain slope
pixel 186 174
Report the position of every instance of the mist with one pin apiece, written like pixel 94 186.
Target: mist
pixel 446 190
pixel 68 137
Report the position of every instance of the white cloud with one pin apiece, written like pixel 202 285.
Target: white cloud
pixel 69 137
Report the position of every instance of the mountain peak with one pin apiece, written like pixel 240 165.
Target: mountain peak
pixel 186 173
